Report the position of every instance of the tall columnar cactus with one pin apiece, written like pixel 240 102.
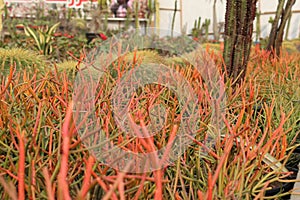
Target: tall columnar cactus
pixel 283 13
pixel 1 13
pixel 239 20
pixel 136 14
pixel 157 16
pixel 151 11
pixel 288 27
pixel 206 27
pixel 215 22
pixel 258 29
pixel 197 28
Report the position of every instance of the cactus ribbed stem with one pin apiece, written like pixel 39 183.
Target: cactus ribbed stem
pixel 275 22
pixel 215 22
pixel 136 14
pixel 157 17
pixel 288 27
pixel 239 19
pixel 258 30
pixel 281 18
pixel 1 12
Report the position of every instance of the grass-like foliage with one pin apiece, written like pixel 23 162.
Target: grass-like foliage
pixel 43 157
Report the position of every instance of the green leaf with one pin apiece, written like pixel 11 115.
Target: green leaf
pixel 30 32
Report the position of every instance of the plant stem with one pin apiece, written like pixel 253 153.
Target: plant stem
pixel 173 19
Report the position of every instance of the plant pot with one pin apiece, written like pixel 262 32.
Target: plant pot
pixel 297 151
pixel 61 28
pixel 291 165
pixel 91 36
pixel 283 187
pixel 19 27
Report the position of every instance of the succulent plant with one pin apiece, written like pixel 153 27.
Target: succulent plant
pixel 1 12
pixel 239 20
pixel 69 67
pixel 21 59
pixel 283 12
pixel 147 56
pixel 206 27
pixel 43 38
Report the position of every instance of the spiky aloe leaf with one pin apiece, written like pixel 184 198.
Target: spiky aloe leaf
pixel 50 31
pixel 42 38
pixel 33 34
